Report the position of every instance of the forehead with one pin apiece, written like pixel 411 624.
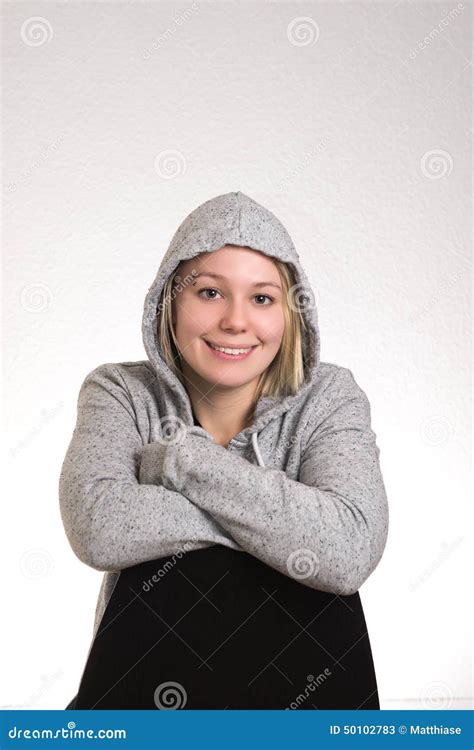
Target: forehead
pixel 232 261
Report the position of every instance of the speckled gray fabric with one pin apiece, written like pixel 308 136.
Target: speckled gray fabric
pixel 301 488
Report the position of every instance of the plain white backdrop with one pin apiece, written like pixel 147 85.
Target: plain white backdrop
pixel 352 123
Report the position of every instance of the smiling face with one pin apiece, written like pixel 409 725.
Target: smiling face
pixel 234 301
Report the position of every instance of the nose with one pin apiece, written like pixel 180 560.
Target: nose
pixel 234 317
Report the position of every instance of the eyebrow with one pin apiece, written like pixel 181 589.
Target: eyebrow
pixel 223 278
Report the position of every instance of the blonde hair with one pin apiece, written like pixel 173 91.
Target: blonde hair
pixel 285 374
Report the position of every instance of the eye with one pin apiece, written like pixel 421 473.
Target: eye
pixel 211 289
pixel 207 289
pixel 264 295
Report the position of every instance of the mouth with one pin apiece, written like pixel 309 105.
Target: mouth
pixel 234 354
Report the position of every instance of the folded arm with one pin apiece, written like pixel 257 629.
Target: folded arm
pixel 328 529
pixel 114 513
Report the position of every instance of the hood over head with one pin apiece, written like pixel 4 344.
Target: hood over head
pixel 231 219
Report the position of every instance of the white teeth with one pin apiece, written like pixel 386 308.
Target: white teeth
pixel 230 351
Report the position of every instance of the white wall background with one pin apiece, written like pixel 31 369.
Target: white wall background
pixel 353 126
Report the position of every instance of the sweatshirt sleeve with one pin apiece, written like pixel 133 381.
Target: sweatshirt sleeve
pixel 329 528
pixel 114 511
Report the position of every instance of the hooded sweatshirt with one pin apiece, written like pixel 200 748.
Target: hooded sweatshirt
pixel 300 489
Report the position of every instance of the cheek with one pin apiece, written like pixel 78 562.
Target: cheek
pixel 271 330
pixel 194 320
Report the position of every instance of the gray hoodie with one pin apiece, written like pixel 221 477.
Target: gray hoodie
pixel 300 489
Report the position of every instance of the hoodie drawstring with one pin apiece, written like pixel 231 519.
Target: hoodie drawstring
pixel 256 449
pixel 196 429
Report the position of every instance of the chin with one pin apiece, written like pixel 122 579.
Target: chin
pixel 227 380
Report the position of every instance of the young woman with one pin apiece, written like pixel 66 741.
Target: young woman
pixel 230 487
